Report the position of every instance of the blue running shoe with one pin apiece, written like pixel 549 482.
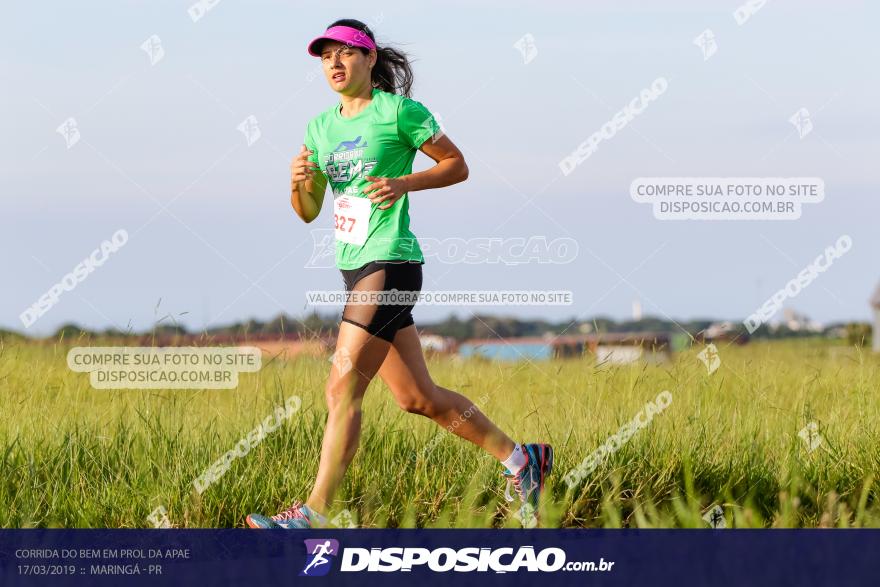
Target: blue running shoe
pixel 529 481
pixel 294 517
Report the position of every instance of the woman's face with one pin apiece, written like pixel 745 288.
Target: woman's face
pixel 347 68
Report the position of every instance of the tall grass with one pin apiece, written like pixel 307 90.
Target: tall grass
pixel 73 456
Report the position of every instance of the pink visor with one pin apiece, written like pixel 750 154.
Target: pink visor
pixel 344 34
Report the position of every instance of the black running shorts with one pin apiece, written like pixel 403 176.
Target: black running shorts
pixel 379 319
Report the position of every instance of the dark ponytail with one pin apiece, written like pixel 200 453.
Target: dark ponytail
pixel 392 72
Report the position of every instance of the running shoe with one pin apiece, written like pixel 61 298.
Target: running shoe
pixel 529 481
pixel 294 517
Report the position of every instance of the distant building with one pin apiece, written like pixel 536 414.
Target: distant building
pixel 507 349
pixel 875 304
pixel 607 348
pixel 436 343
pixel 637 310
pixel 721 332
pixel 799 322
pixel 836 331
pixel 618 354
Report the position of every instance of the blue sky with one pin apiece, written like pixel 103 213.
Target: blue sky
pixel 227 246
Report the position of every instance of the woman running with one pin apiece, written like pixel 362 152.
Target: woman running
pixel 364 146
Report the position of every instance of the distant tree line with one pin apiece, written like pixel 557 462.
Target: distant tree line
pixel 476 326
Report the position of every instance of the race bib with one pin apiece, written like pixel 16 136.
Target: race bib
pixel 352 217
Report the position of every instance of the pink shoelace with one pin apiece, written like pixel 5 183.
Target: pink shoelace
pixel 513 479
pixel 292 513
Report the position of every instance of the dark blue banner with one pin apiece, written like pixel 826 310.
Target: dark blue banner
pixel 436 557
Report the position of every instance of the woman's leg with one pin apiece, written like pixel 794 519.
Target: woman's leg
pixel 405 373
pixel 358 357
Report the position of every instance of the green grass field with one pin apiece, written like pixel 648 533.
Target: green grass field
pixel 73 456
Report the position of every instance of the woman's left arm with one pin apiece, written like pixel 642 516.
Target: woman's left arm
pixel 450 169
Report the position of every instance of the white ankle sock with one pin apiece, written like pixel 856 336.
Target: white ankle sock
pixel 516 460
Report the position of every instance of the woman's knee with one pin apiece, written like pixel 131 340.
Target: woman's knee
pixel 341 394
pixel 420 401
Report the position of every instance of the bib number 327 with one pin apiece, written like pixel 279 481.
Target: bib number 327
pixel 352 217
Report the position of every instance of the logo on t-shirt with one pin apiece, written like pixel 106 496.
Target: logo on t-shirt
pixel 350 145
pixel 347 161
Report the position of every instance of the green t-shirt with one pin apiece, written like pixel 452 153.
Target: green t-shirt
pixel 382 141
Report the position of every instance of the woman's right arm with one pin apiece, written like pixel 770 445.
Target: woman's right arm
pixel 307 186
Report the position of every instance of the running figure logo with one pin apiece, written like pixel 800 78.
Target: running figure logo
pixel 318 552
